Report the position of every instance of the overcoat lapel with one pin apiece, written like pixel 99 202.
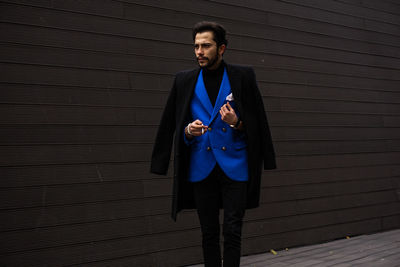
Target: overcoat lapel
pixel 188 87
pixel 235 80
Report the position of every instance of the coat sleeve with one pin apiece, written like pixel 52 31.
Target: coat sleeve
pixel 165 135
pixel 266 140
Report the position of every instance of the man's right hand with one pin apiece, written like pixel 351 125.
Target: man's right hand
pixel 196 128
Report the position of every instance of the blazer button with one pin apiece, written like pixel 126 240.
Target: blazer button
pixel 209 129
pixel 224 129
pixel 223 148
pixel 208 148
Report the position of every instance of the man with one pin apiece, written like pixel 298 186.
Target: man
pixel 221 139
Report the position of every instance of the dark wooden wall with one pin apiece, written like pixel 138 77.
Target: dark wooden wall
pixel 82 86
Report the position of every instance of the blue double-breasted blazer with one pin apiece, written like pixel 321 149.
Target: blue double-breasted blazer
pixel 221 144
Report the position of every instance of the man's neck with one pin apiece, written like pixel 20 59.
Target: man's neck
pixel 216 65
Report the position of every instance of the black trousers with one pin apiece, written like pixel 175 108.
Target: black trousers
pixel 209 194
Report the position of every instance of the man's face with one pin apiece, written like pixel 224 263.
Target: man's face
pixel 205 48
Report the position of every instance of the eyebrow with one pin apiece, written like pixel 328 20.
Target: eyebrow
pixel 203 44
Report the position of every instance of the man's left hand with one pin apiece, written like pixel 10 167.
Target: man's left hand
pixel 228 114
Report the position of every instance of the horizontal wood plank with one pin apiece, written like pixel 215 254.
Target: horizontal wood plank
pixel 82 90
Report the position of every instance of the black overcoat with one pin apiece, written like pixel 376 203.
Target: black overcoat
pixel 177 115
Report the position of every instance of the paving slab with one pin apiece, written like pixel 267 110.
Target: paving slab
pixel 379 249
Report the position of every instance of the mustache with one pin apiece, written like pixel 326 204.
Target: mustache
pixel 198 58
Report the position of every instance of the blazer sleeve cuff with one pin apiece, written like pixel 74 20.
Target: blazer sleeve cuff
pixel 187 141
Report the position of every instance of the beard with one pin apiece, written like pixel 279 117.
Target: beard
pixel 210 61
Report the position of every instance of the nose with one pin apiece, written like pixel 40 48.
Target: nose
pixel 199 51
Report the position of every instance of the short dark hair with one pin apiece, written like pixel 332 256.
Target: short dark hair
pixel 218 30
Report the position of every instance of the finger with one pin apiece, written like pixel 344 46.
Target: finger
pixel 197 127
pixel 196 132
pixel 224 109
pixel 229 110
pixel 198 122
pixel 228 106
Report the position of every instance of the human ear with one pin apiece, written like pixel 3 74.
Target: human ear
pixel 221 49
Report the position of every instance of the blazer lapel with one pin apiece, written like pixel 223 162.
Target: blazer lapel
pixel 224 91
pixel 189 86
pixel 201 92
